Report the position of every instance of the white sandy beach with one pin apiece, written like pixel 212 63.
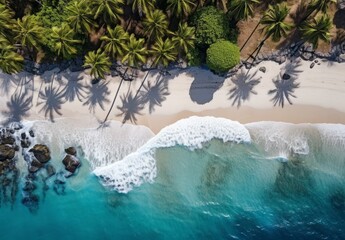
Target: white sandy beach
pixel 183 93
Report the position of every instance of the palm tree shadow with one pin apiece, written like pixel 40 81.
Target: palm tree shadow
pixel 155 94
pixel 97 95
pixel 7 82
pixel 244 84
pixel 18 107
pixel 74 88
pixel 292 68
pixel 131 107
pixel 284 90
pixel 52 99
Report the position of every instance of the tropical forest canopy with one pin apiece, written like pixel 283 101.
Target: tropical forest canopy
pixel 144 32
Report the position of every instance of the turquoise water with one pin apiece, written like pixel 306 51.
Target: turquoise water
pixel 222 191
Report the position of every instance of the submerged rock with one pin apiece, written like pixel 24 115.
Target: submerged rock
pixel 50 171
pixel 41 152
pixel 31 133
pixel 6 152
pixel 71 151
pixel 25 143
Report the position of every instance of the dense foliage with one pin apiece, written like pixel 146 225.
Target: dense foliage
pixel 222 56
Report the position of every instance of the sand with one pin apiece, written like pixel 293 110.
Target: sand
pixel 319 94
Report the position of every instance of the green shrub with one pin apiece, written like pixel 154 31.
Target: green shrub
pixel 222 56
pixel 194 57
pixel 211 25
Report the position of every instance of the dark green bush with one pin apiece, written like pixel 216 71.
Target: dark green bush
pixel 211 25
pixel 222 56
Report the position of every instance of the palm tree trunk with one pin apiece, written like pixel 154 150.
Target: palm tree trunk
pixel 251 34
pixel 113 103
pixel 256 51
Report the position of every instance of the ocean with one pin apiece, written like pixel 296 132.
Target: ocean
pixel 200 178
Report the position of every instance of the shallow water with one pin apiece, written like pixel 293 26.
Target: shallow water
pixel 290 184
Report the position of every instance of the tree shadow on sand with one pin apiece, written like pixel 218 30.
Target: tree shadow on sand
pixel 52 99
pixel 131 107
pixel 244 84
pixel 74 88
pixel 155 94
pixel 97 94
pixel 285 84
pixel 204 86
pixel 7 82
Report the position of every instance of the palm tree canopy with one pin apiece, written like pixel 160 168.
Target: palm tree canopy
pixel 155 24
pixel 115 41
pixel 99 63
pixel 321 5
pixel 180 7
pixel 109 11
pixel 10 61
pixel 80 17
pixel 6 21
pixel 273 21
pixel 136 52
pixel 64 41
pixel 184 38
pixel 242 9
pixel 28 32
pixel 317 29
pixel 142 6
pixel 164 52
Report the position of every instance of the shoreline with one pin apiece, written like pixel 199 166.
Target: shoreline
pixel 316 95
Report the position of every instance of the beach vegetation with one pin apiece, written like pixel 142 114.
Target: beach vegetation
pixel 98 62
pixel 222 56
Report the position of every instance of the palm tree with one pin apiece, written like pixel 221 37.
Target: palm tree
pixel 136 52
pixel 180 8
pixel 242 9
pixel 320 5
pixel 275 26
pixel 184 38
pixel 109 11
pixel 29 33
pixel 317 29
pixel 80 17
pixel 164 52
pixel 99 63
pixel 155 25
pixel 142 6
pixel 63 41
pixel 6 21
pixel 10 61
pixel 115 41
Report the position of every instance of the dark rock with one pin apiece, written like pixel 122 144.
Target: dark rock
pixel 41 152
pixel 25 143
pixel 262 69
pixel 316 60
pixel 29 186
pixel 6 152
pixel 8 140
pixel 71 151
pixel 71 163
pixel 23 135
pixel 286 76
pixel 31 202
pixel 33 169
pixel 36 163
pixel 312 65
pixel 16 148
pixel 31 133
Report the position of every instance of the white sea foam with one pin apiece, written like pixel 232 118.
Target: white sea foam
pixel 140 166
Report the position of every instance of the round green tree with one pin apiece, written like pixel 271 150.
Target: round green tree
pixel 222 56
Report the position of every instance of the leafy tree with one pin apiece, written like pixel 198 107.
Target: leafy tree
pixel 115 41
pixel 99 63
pixel 222 56
pixel 242 9
pixel 317 29
pixel 211 25
pixel 6 21
pixel 184 38
pixel 29 33
pixel 50 16
pixel 136 52
pixel 142 6
pixel 180 8
pixel 109 11
pixel 80 17
pixel 155 25
pixel 64 42
pixel 10 61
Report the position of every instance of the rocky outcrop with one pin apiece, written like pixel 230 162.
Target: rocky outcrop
pixel 71 151
pixel 6 152
pixel 71 163
pixel 41 153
